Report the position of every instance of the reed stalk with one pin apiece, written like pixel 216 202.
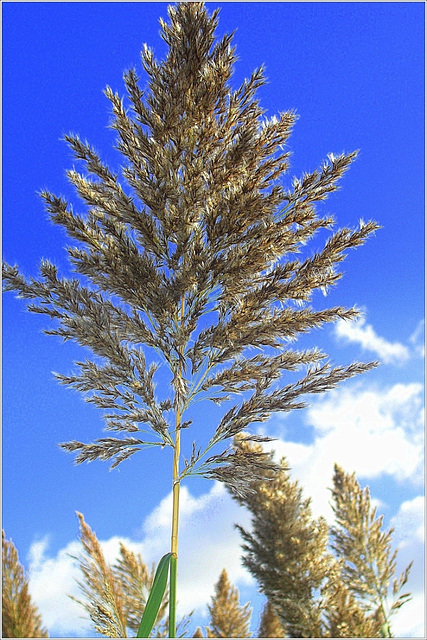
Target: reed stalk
pixel 174 536
pixel 175 502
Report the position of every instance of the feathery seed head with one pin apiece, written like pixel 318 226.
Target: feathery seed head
pixel 190 253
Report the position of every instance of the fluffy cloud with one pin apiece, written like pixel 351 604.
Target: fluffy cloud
pixel 208 520
pixel 417 339
pixel 371 431
pixel 408 534
pixel 408 523
pixel 52 581
pixel 408 622
pixel 365 335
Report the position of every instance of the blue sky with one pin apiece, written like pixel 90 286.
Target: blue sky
pixel 354 72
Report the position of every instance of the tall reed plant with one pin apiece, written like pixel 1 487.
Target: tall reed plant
pixel 188 258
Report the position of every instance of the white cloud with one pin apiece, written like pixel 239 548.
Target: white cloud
pixel 417 339
pixel 364 335
pixel 408 622
pixel 208 543
pixel 408 523
pixel 373 432
pixel 52 581
pixel 408 535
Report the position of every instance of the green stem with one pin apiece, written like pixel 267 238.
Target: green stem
pixel 174 537
pixel 172 598
pixel 175 513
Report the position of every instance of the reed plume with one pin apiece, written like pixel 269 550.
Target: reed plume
pixel 227 618
pixel 191 257
pixel 20 618
pixel 270 626
pixel 321 581
pixel 115 596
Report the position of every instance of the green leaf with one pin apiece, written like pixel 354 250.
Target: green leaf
pixel 155 598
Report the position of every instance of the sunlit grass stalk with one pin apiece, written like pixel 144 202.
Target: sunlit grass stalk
pixel 174 536
pixel 175 506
